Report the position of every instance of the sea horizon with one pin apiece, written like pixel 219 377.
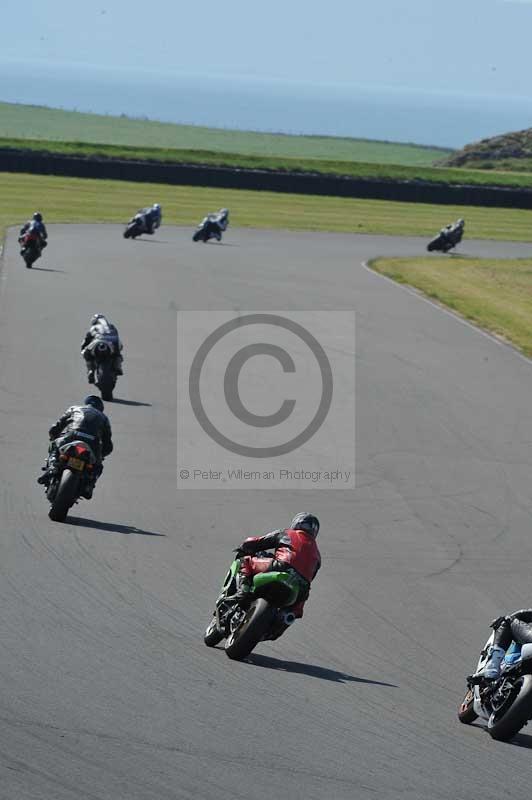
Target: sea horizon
pixel 439 119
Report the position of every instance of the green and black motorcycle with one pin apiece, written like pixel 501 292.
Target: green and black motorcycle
pixel 264 619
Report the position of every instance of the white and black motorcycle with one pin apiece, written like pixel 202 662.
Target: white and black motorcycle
pixel 506 703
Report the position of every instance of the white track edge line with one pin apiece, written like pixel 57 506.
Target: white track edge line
pixel 420 296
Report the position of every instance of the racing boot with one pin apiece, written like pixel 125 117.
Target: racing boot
pixel 117 365
pixel 244 590
pixel 492 667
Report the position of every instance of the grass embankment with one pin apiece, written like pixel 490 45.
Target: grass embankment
pixel 494 294
pixel 41 123
pixel 83 200
pixel 352 169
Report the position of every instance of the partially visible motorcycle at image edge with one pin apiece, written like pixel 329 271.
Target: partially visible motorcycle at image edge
pixel 76 464
pixel 446 240
pixel 135 227
pixel 30 246
pixel 105 375
pixel 264 619
pixel 208 229
pixel 504 704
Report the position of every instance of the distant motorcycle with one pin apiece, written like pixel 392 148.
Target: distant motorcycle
pixel 135 227
pixel 266 617
pixel 77 463
pixel 447 238
pixel 209 228
pixel 31 245
pixel 506 703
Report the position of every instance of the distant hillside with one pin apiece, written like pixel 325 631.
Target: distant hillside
pixel 510 151
pixel 52 124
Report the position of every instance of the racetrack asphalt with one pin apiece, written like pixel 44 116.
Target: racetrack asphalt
pixel 106 688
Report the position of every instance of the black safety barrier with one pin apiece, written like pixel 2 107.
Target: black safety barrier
pixel 412 191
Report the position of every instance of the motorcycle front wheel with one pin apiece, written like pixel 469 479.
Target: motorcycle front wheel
pixel 213 635
pixel 466 712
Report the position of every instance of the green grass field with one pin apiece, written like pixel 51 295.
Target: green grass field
pixel 82 200
pixel 36 122
pixel 494 294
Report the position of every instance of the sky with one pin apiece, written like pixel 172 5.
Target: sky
pixel 467 47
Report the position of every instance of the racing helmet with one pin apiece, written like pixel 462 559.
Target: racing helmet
pixel 96 318
pixel 306 522
pixel 94 401
pixel 37 216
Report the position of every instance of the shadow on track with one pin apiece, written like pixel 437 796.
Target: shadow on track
pixel 151 241
pixel 310 669
pixel 128 402
pixel 111 527
pixel 47 269
pixel 522 740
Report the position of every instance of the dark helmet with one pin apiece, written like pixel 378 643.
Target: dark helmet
pixel 37 216
pixel 224 212
pixel 95 318
pixel 460 222
pixel 94 401
pixel 306 522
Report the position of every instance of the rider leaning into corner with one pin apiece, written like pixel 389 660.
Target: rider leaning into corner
pixel 515 627
pixel 295 549
pixel 88 423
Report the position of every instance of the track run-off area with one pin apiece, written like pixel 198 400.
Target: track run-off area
pixel 106 688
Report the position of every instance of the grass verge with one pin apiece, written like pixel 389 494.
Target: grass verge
pixel 84 200
pixel 494 294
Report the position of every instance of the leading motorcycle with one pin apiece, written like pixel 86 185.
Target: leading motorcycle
pixel 506 703
pixel 31 245
pixel 264 618
pixel 76 463
pixel 447 238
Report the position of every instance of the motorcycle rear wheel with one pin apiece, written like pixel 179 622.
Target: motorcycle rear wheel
pixel 105 380
pixel 245 638
pixel 67 493
pixel 504 726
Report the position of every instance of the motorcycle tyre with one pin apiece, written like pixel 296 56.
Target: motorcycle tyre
pixel 213 635
pixel 105 380
pixel 257 622
pixel 66 495
pixel 517 715
pixel 466 712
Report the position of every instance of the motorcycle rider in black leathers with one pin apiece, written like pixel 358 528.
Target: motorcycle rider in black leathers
pixel 87 423
pixel 454 231
pixel 38 225
pixel 152 217
pixel 101 330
